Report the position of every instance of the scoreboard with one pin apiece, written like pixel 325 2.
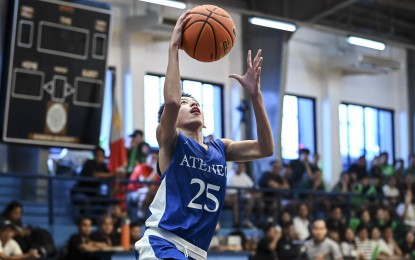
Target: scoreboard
pixel 55 73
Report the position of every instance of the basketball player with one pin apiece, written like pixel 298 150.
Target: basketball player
pixel 186 208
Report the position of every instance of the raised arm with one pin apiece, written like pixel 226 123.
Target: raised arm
pixel 166 130
pixel 264 145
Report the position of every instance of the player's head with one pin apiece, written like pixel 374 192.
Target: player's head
pixel 190 112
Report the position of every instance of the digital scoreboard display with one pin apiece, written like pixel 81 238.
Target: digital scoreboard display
pixel 55 75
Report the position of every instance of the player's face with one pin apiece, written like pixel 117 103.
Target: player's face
pixel 190 113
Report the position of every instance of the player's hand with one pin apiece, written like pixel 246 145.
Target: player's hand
pixel 251 80
pixel 176 38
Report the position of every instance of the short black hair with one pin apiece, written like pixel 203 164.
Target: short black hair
pixel 161 109
pixel 99 149
pixel 304 150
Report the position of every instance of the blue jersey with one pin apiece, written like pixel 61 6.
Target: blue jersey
pixel 192 191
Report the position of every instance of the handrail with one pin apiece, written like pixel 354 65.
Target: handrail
pixel 278 193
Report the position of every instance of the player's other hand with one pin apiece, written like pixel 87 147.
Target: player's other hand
pixel 251 80
pixel 176 38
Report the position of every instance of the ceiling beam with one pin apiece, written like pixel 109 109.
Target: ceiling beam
pixel 331 10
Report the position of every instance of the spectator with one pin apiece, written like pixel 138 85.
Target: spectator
pixel 399 168
pixel 336 221
pixel 80 244
pixel 408 246
pixel 406 210
pixel 118 216
pixel 106 236
pixel 302 222
pixel 387 169
pixel 135 233
pixel 266 247
pixel 365 247
pixel 381 218
pixel 380 248
pixel 410 170
pixel 98 169
pixel 272 180
pixel 344 184
pixel 241 179
pixel 391 191
pixel 359 167
pixel 390 241
pixel 376 167
pixel 142 194
pixel 9 248
pixel 320 246
pixel 13 212
pixel 137 153
pixel 287 247
pixel 299 168
pixel 348 245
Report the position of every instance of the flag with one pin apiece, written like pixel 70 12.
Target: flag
pixel 118 153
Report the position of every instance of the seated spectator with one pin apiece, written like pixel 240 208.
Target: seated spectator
pixel 241 179
pixel 344 184
pixel 314 181
pixel 348 245
pixel 266 247
pixel 359 167
pixel 320 246
pixel 406 210
pixel 408 246
pixel 138 150
pixel 376 167
pixel 336 221
pixel 410 170
pixel 299 170
pixel 80 244
pixel 143 193
pixel 365 246
pixel 106 236
pixel 302 222
pixel 135 233
pixel 387 169
pixel 272 180
pixel 391 192
pixel 284 218
pixel 9 248
pixel 380 248
pixel 390 241
pixel 382 218
pixel 287 247
pixel 13 212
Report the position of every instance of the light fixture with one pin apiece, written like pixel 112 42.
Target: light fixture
pixel 169 3
pixel 365 43
pixel 273 24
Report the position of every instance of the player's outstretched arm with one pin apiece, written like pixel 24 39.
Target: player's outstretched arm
pixel 264 145
pixel 166 130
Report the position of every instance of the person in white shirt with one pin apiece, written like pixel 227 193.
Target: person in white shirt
pixel 9 248
pixel 302 223
pixel 406 210
pixel 240 179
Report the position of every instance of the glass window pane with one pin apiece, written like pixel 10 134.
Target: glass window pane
pixel 356 137
pixel 386 134
pixel 289 132
pixel 344 138
pixel 371 133
pixel 306 124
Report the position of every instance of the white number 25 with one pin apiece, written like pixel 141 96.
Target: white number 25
pixel 208 195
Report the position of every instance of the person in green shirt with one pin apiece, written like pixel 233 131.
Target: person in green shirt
pixel 138 151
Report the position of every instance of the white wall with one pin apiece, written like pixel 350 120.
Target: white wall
pixel 309 74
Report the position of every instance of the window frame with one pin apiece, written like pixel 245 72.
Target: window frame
pixel 314 112
pixel 378 109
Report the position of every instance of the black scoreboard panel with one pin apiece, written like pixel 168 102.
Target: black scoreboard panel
pixel 56 73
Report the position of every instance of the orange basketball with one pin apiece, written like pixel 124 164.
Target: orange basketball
pixel 209 35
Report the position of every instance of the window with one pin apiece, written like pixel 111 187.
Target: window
pixel 298 126
pixel 365 131
pixel 104 138
pixel 209 96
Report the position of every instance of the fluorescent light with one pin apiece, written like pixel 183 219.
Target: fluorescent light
pixel 365 43
pixel 273 24
pixel 168 3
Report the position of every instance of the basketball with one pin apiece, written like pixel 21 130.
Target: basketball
pixel 209 35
